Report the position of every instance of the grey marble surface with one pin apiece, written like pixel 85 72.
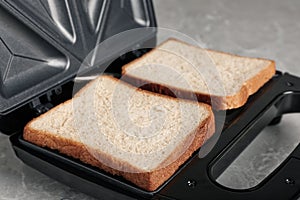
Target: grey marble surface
pixel 260 28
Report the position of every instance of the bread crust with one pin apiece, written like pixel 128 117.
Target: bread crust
pixel 149 181
pixel 217 102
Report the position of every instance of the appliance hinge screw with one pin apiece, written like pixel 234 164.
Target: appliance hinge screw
pixel 58 90
pixel 289 181
pixel 191 183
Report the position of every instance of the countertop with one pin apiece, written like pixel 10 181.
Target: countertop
pixel 258 28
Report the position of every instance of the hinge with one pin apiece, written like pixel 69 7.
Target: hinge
pixel 39 107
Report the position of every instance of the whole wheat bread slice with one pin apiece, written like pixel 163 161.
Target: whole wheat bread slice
pixel 126 131
pixel 179 69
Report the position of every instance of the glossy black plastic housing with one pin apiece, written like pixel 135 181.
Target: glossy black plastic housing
pixel 279 96
pixel 44 42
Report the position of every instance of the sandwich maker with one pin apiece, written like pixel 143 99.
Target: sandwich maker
pixel 42 46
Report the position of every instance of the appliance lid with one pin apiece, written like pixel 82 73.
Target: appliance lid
pixel 44 42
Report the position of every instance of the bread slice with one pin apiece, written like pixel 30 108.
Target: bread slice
pixel 179 69
pixel 126 131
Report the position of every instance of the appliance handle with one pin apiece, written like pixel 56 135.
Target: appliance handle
pixel 284 182
pixel 198 179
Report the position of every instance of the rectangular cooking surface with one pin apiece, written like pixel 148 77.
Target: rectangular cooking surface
pixel 27 60
pixel 241 127
pixel 44 43
pixel 43 50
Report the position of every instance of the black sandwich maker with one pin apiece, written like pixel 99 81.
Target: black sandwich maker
pixel 43 43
